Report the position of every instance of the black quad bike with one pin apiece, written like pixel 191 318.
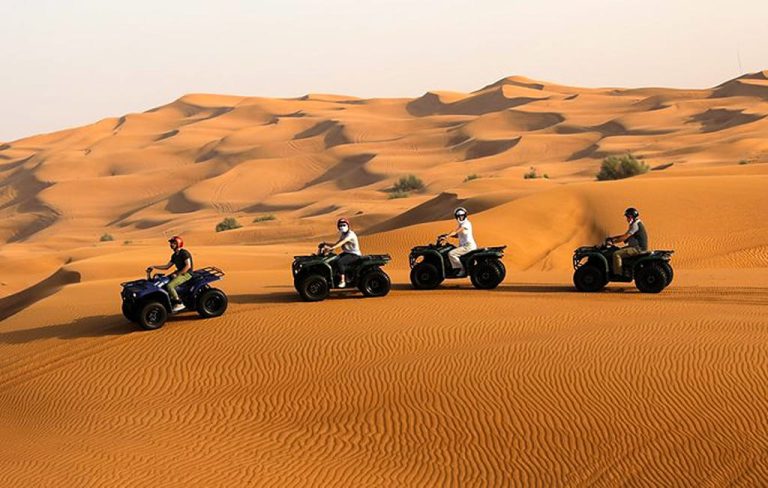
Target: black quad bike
pixel 147 302
pixel 650 270
pixel 314 276
pixel 430 265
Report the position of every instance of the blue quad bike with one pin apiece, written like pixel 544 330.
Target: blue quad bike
pixel 650 270
pixel 316 275
pixel 147 302
pixel 430 265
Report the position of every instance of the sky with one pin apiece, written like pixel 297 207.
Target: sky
pixel 69 63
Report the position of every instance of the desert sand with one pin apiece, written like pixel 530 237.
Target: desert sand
pixel 528 384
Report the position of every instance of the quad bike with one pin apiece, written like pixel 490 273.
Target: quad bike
pixel 430 265
pixel 314 276
pixel 147 302
pixel 650 270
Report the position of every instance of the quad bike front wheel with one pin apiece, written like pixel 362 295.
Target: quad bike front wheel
pixel 313 288
pixel 486 276
pixel 152 316
pixel 212 303
pixel 375 283
pixel 426 276
pixel 589 278
pixel 651 278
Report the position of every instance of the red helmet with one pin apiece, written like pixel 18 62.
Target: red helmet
pixel 342 221
pixel 178 240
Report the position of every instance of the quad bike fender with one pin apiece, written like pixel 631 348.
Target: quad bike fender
pixel 323 269
pixel 432 257
pixel 595 259
pixel 646 260
pixel 157 296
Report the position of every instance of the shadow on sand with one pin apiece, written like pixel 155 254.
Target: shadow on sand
pixel 99 326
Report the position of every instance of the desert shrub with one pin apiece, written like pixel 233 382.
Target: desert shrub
pixel 399 194
pixel 743 161
pixel 533 174
pixel 106 238
pixel 471 177
pixel 228 223
pixel 408 183
pixel 619 167
pixel 265 218
pixel 127 243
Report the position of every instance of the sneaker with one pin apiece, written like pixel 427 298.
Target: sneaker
pixel 342 284
pixel 178 307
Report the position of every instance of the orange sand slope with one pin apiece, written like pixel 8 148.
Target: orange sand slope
pixel 527 384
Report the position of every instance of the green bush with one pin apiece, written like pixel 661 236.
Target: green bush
pixel 471 177
pixel 619 167
pixel 532 174
pixel 106 238
pixel 399 194
pixel 228 224
pixel 408 183
pixel 264 218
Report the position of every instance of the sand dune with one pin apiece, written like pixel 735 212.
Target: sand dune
pixel 530 384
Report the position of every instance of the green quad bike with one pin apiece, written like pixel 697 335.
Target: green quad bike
pixel 314 276
pixel 650 270
pixel 430 265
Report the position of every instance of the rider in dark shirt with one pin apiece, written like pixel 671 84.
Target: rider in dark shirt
pixel 635 237
pixel 182 260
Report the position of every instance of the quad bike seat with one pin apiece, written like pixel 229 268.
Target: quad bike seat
pixel 481 250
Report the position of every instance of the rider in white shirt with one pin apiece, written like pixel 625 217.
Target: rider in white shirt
pixel 350 249
pixel 466 240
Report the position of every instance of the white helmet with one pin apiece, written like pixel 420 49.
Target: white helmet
pixel 460 213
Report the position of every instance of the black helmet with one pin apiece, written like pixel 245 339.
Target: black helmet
pixel 460 212
pixel 631 212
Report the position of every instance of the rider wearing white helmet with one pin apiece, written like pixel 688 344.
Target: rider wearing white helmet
pixel 350 248
pixel 466 239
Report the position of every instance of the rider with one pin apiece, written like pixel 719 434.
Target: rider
pixel 635 237
pixel 466 240
pixel 350 248
pixel 182 259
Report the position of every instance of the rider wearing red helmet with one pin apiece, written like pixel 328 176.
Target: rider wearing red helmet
pixel 350 248
pixel 182 260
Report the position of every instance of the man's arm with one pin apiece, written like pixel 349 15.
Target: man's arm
pixel 623 237
pixel 340 243
pixel 456 232
pixel 161 266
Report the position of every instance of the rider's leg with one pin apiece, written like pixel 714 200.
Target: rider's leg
pixel 454 256
pixel 619 255
pixel 345 260
pixel 174 283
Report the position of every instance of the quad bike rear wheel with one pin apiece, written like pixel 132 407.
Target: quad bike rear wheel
pixel 212 303
pixel 668 271
pixel 375 283
pixel 651 278
pixel 486 276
